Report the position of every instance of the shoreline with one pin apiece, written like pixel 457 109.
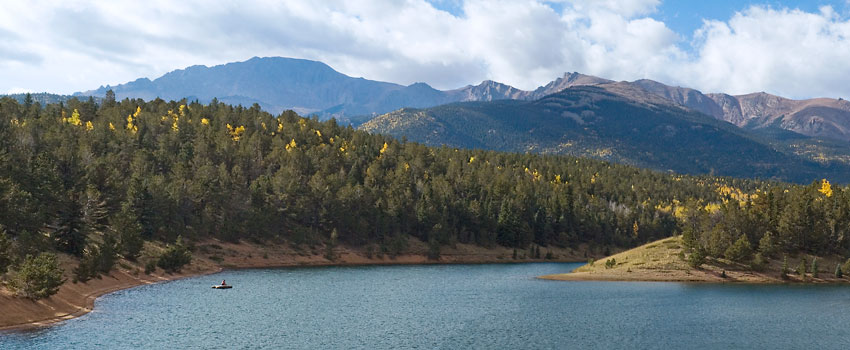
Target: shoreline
pixel 697 277
pixel 77 299
pixel 83 303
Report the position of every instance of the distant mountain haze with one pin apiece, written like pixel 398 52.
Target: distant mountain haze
pixel 310 87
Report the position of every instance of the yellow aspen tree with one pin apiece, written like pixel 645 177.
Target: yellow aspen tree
pixel 237 133
pixel 75 118
pixel 825 188
pixel 291 145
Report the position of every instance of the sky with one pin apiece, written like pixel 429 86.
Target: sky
pixel 797 49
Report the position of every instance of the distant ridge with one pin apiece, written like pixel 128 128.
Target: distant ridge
pixel 308 87
pixel 623 123
pixel 311 87
pixel 41 97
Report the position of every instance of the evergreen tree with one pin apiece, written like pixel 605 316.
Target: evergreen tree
pixel 846 266
pixel 815 267
pixel 109 99
pixel 784 271
pixel 67 231
pixel 330 246
pixel 125 225
pixel 740 251
pixel 108 253
pixel 696 258
pixel 767 245
pixel 801 268
pixel 5 251
pixel 88 265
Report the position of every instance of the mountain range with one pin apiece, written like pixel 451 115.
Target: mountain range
pixel 307 87
pixel 643 122
pixel 593 121
pixel 310 87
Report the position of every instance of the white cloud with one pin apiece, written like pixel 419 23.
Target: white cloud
pixel 788 52
pixel 78 45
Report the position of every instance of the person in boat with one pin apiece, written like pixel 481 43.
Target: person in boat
pixel 223 283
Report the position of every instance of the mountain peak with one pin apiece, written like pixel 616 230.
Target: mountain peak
pixel 567 81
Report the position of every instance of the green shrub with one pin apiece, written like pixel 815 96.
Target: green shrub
pixel 758 263
pixel 38 277
pixel 696 258
pixel 150 266
pixel 174 257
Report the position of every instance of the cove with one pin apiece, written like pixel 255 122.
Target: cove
pixel 492 306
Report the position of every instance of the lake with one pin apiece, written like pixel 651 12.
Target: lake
pixel 493 306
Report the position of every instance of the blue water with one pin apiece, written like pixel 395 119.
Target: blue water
pixel 450 307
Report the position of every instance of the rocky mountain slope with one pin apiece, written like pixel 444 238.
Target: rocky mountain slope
pixel 818 117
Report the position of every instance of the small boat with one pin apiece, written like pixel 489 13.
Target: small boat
pixel 222 286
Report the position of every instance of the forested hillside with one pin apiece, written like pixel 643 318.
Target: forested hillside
pixel 82 177
pixel 592 122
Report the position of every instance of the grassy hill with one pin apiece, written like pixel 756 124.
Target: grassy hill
pixel 665 260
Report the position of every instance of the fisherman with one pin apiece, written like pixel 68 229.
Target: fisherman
pixel 223 283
